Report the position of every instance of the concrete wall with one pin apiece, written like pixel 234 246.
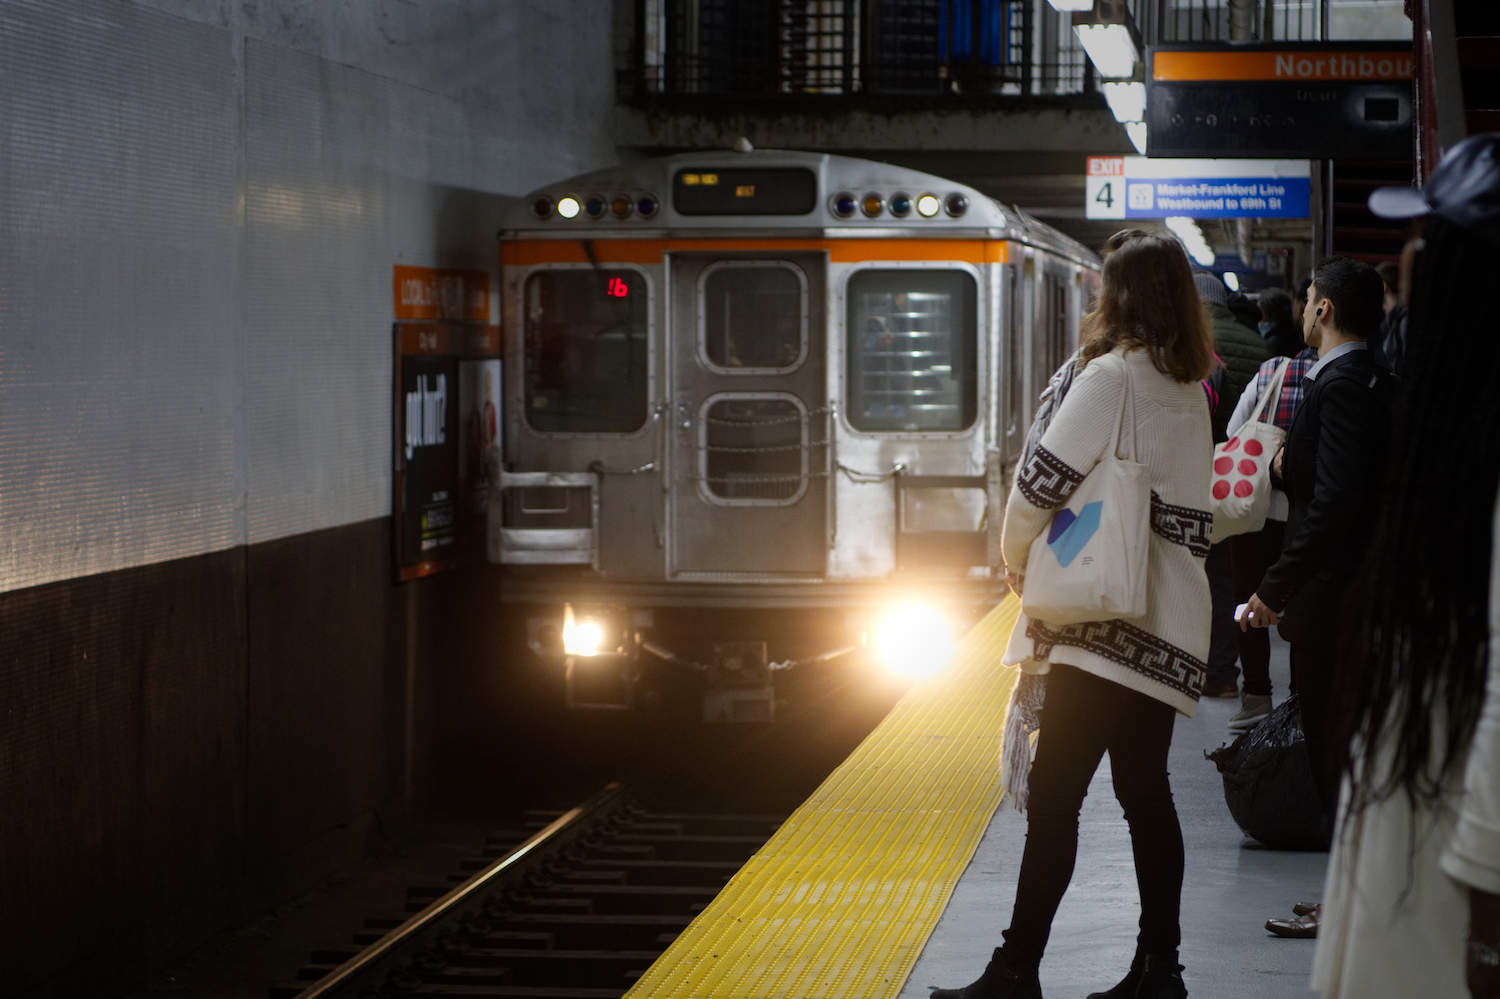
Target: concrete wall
pixel 204 680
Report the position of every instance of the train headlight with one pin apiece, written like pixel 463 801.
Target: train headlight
pixel 957 204
pixel 914 640
pixel 590 633
pixel 844 204
pixel 900 205
pixel 568 207
pixel 928 205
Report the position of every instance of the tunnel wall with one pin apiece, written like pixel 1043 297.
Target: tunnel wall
pixel 206 692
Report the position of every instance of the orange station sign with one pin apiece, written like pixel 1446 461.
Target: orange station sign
pixel 435 293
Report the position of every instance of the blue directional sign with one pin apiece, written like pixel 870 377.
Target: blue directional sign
pixel 1134 187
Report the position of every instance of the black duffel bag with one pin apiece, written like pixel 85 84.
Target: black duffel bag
pixel 1268 783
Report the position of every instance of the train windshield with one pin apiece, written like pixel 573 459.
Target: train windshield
pixel 586 358
pixel 912 350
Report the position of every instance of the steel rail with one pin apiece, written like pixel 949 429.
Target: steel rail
pixel 403 934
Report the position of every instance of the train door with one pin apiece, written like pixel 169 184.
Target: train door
pixel 749 453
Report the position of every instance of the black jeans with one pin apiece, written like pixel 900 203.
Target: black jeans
pixel 1083 718
pixel 1222 649
pixel 1313 672
pixel 1253 555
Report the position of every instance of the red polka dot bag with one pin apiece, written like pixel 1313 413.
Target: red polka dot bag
pixel 1242 468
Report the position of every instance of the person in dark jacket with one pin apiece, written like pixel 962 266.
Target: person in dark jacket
pixel 1283 337
pixel 1331 468
pixel 1242 352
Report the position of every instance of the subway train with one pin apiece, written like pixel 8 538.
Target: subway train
pixel 770 387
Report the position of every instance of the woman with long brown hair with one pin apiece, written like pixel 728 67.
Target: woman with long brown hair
pixel 1115 686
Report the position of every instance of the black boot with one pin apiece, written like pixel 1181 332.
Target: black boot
pixel 1161 978
pixel 1128 984
pixel 997 982
pixel 1151 976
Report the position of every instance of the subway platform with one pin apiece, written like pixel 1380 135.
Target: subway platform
pixel 898 874
pixel 1232 886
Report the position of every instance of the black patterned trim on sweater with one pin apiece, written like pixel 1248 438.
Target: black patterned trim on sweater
pixel 1131 647
pixel 1046 480
pixel 1182 525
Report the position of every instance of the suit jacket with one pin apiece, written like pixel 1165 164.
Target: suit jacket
pixel 1332 472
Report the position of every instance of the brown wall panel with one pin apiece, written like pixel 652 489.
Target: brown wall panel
pixel 121 754
pixel 187 744
pixel 325 623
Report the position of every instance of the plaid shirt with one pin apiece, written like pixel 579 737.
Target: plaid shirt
pixel 1291 388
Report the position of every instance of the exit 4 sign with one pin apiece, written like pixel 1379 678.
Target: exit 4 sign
pixel 1135 187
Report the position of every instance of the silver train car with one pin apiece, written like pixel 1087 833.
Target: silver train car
pixel 765 379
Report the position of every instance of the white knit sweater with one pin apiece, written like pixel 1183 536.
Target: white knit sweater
pixel 1162 653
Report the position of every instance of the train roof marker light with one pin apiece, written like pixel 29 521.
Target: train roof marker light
pixel 843 204
pixel 900 205
pixel 622 207
pixel 595 206
pixel 542 207
pixel 568 206
pixel 956 204
pixel 928 205
pixel 647 205
pixel 873 205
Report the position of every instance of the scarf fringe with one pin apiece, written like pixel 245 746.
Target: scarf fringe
pixel 1022 720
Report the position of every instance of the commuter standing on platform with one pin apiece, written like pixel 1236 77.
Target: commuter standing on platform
pixel 1116 686
pixel 1283 336
pixel 1416 858
pixel 1256 552
pixel 1242 351
pixel 1331 468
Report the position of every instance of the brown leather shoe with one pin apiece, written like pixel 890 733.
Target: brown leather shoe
pixel 1306 908
pixel 1302 927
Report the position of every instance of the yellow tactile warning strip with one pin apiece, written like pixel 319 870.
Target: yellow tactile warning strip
pixel 839 903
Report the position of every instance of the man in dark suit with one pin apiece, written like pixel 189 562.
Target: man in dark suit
pixel 1331 468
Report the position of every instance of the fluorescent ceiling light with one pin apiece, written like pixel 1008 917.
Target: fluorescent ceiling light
pixel 1231 281
pixel 1126 100
pixel 1072 5
pixel 1192 237
pixel 1137 132
pixel 1111 48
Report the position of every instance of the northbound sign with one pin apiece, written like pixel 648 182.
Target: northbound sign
pixel 1280 99
pixel 1134 187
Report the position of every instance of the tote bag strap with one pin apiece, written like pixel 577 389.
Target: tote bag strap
pixel 1127 400
pixel 1273 390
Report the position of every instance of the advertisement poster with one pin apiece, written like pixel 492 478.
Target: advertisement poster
pixel 447 407
pixel 478 428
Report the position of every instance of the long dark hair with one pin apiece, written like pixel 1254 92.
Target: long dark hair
pixel 1148 299
pixel 1420 607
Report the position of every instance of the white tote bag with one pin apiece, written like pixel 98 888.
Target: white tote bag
pixel 1090 563
pixel 1242 469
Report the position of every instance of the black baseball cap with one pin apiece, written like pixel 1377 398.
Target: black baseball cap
pixel 1464 190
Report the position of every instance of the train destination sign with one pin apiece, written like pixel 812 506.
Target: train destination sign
pixel 1135 187
pixel 1328 99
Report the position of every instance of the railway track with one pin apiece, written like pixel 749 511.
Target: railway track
pixel 579 910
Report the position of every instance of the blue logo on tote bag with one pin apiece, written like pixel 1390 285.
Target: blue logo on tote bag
pixel 1070 532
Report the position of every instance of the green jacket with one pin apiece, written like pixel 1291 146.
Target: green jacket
pixel 1243 351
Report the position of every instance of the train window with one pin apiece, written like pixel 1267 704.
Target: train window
pixel 754 449
pixel 754 316
pixel 586 360
pixel 912 344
